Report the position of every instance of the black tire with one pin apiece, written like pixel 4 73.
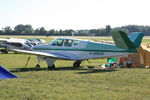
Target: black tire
pixel 51 67
pixel 77 64
pixel 37 66
pixel 4 51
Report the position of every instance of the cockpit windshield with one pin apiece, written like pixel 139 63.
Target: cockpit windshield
pixel 64 42
pixel 57 42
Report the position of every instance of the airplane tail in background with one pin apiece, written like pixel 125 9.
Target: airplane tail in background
pixel 123 41
pixel 136 38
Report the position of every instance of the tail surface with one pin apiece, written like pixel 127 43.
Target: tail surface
pixel 136 38
pixel 123 41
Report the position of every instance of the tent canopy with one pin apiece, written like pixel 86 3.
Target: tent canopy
pixel 5 74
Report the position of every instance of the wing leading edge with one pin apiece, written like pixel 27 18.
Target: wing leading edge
pixel 57 56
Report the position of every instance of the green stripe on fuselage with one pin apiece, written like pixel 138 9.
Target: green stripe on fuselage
pixel 77 49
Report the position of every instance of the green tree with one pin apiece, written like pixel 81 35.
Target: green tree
pixel 41 31
pixel 52 31
pixel 28 29
pixel 120 29
pixel 19 29
pixel 108 29
pixel 7 30
pixel 23 29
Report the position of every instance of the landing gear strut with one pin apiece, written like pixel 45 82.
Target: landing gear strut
pixel 38 64
pixel 76 64
pixel 50 63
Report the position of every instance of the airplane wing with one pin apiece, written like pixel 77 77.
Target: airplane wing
pixel 52 55
pixel 2 39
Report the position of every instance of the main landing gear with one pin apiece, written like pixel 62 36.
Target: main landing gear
pixel 49 61
pixel 76 64
pixel 37 66
pixel 51 67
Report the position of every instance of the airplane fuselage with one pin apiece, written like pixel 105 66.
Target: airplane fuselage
pixel 81 49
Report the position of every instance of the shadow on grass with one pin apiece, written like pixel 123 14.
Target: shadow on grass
pixel 27 69
pixel 86 71
pixel 42 69
pixel 97 71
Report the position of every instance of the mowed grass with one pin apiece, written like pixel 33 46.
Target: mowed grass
pixel 66 83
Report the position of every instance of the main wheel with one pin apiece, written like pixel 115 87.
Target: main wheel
pixel 4 51
pixel 51 67
pixel 76 64
pixel 37 66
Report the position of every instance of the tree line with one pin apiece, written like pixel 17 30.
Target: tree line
pixel 28 30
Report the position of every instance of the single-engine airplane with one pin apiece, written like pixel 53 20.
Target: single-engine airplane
pixel 79 50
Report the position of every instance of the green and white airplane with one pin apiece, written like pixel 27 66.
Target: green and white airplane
pixel 80 50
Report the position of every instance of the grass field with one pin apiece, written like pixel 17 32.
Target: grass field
pixel 66 83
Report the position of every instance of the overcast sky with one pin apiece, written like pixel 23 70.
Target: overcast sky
pixel 74 14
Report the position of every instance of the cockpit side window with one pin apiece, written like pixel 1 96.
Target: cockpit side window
pixel 68 43
pixel 76 42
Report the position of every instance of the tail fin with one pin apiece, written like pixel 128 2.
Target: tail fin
pixel 123 41
pixel 136 38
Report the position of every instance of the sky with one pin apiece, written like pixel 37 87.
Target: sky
pixel 74 14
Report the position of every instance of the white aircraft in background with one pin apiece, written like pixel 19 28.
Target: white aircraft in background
pixel 36 41
pixel 79 50
pixel 24 44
